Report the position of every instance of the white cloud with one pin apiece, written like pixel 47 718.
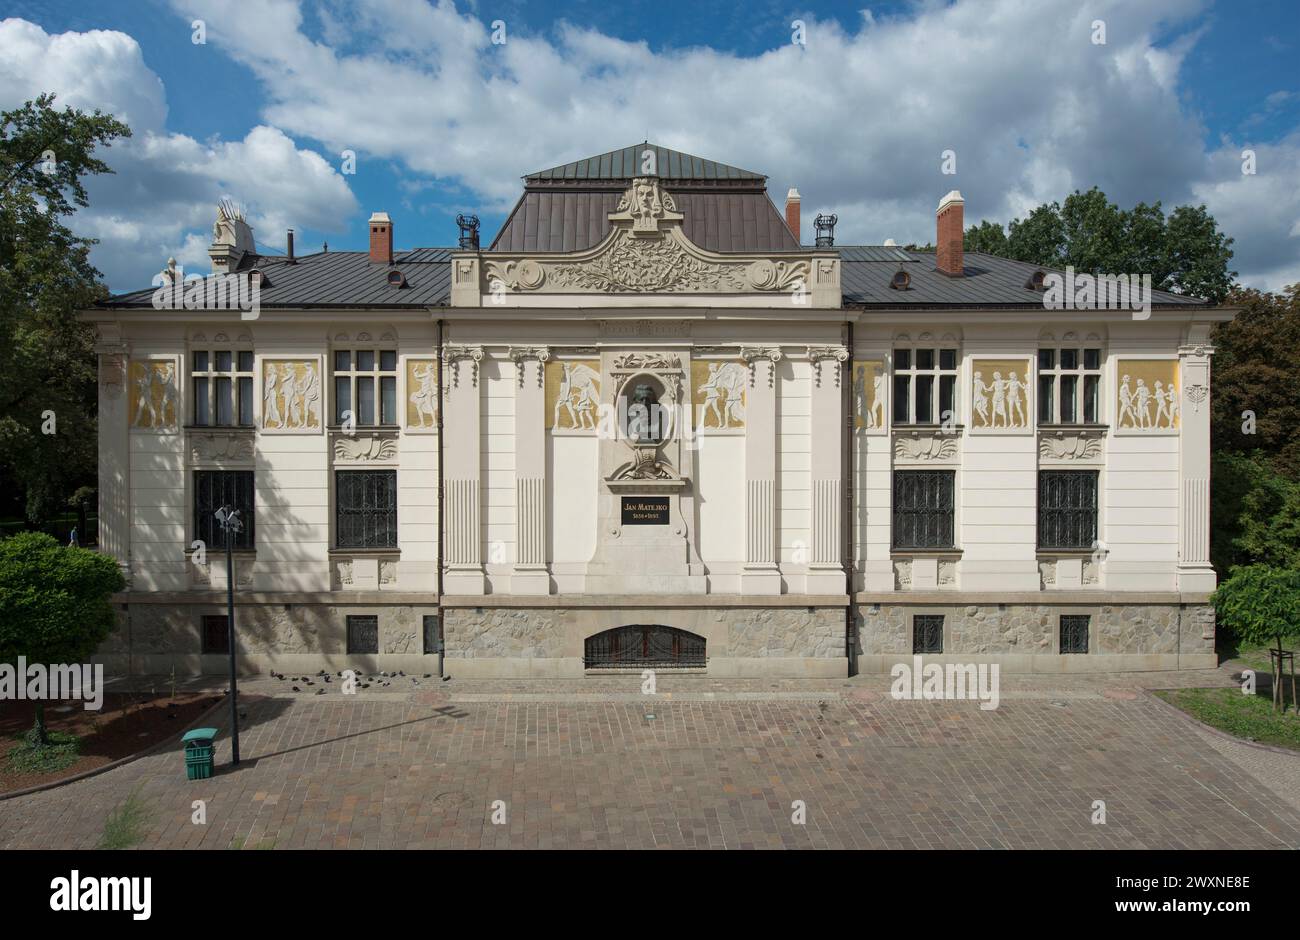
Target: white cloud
pixel 160 201
pixel 856 120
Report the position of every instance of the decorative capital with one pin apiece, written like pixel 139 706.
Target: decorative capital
pixel 520 354
pixel 452 354
pixel 752 354
pixel 833 354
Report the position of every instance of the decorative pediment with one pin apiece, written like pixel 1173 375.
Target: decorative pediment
pixel 646 252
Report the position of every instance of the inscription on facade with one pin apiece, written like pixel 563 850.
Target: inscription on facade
pixel 645 510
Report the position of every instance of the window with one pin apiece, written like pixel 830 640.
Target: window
pixel 214 489
pixel 363 634
pixel 925 386
pixel 923 508
pixel 1074 633
pixel 1069 382
pixel 223 387
pixel 216 635
pixel 1067 509
pixel 927 633
pixel 366 508
pixel 432 633
pixel 359 376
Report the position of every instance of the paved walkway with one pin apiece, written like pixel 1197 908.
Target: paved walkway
pixel 593 763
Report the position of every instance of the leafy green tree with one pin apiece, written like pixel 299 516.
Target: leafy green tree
pixel 54 603
pixel 1262 604
pixel 1185 252
pixel 1255 515
pixel 47 362
pixel 1255 408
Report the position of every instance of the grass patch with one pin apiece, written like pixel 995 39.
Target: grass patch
pixel 1244 716
pixel 32 757
pixel 125 825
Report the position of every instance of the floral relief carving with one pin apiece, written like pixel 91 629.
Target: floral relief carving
pixel 929 447
pixel 1069 447
pixel 364 447
pixel 221 447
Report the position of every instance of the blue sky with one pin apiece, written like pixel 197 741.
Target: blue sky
pixel 443 121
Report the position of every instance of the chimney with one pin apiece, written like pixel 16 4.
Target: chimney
pixel 950 233
pixel 290 259
pixel 381 238
pixel 792 212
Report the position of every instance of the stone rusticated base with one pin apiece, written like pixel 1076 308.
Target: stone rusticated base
pixel 546 640
pixel 1026 637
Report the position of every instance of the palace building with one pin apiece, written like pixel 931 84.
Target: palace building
pixel 645 427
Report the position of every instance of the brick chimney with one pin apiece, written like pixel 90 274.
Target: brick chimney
pixel 381 238
pixel 792 212
pixel 951 231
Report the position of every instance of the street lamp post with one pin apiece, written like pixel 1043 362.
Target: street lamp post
pixel 228 519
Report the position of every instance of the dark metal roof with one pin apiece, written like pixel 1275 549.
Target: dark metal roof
pixel 340 279
pixel 574 220
pixel 625 164
pixel 866 271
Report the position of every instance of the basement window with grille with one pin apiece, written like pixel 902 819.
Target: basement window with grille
pixel 927 633
pixel 363 634
pixel 1074 633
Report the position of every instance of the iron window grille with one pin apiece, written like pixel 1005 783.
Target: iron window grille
pixel 215 634
pixel 1069 386
pixel 923 509
pixel 1074 633
pixel 925 386
pixel 927 633
pixel 363 634
pixel 366 508
pixel 214 489
pixel 432 633
pixel 641 645
pixel 365 383
pixel 223 387
pixel 1067 509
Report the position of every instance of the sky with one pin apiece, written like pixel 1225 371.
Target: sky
pixel 858 116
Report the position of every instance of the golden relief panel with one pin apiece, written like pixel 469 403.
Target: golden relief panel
pixel 422 394
pixel 869 394
pixel 1000 394
pixel 572 394
pixel 154 394
pixel 718 393
pixel 1147 395
pixel 291 394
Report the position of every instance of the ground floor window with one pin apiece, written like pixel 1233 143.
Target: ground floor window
pixel 927 633
pixel 1067 509
pixel 215 634
pixel 214 489
pixel 1074 633
pixel 923 509
pixel 365 508
pixel 363 634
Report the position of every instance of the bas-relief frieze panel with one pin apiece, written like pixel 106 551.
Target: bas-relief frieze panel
pixel 1147 395
pixel 154 394
pixel 291 395
pixel 1000 394
pixel 718 390
pixel 869 394
pixel 572 394
pixel 421 394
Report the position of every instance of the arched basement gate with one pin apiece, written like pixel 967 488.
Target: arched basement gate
pixel 641 646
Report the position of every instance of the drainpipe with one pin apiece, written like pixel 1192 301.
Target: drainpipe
pixel 442 516
pixel 849 551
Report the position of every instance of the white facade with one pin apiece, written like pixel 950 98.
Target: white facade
pixel 754 523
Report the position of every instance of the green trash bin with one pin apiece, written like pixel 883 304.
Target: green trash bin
pixel 199 752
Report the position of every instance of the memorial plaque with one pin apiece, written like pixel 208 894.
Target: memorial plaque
pixel 645 510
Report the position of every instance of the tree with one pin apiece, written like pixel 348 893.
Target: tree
pixel 54 603
pixel 1260 603
pixel 1254 408
pixel 1255 514
pixel 1185 253
pixel 47 362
